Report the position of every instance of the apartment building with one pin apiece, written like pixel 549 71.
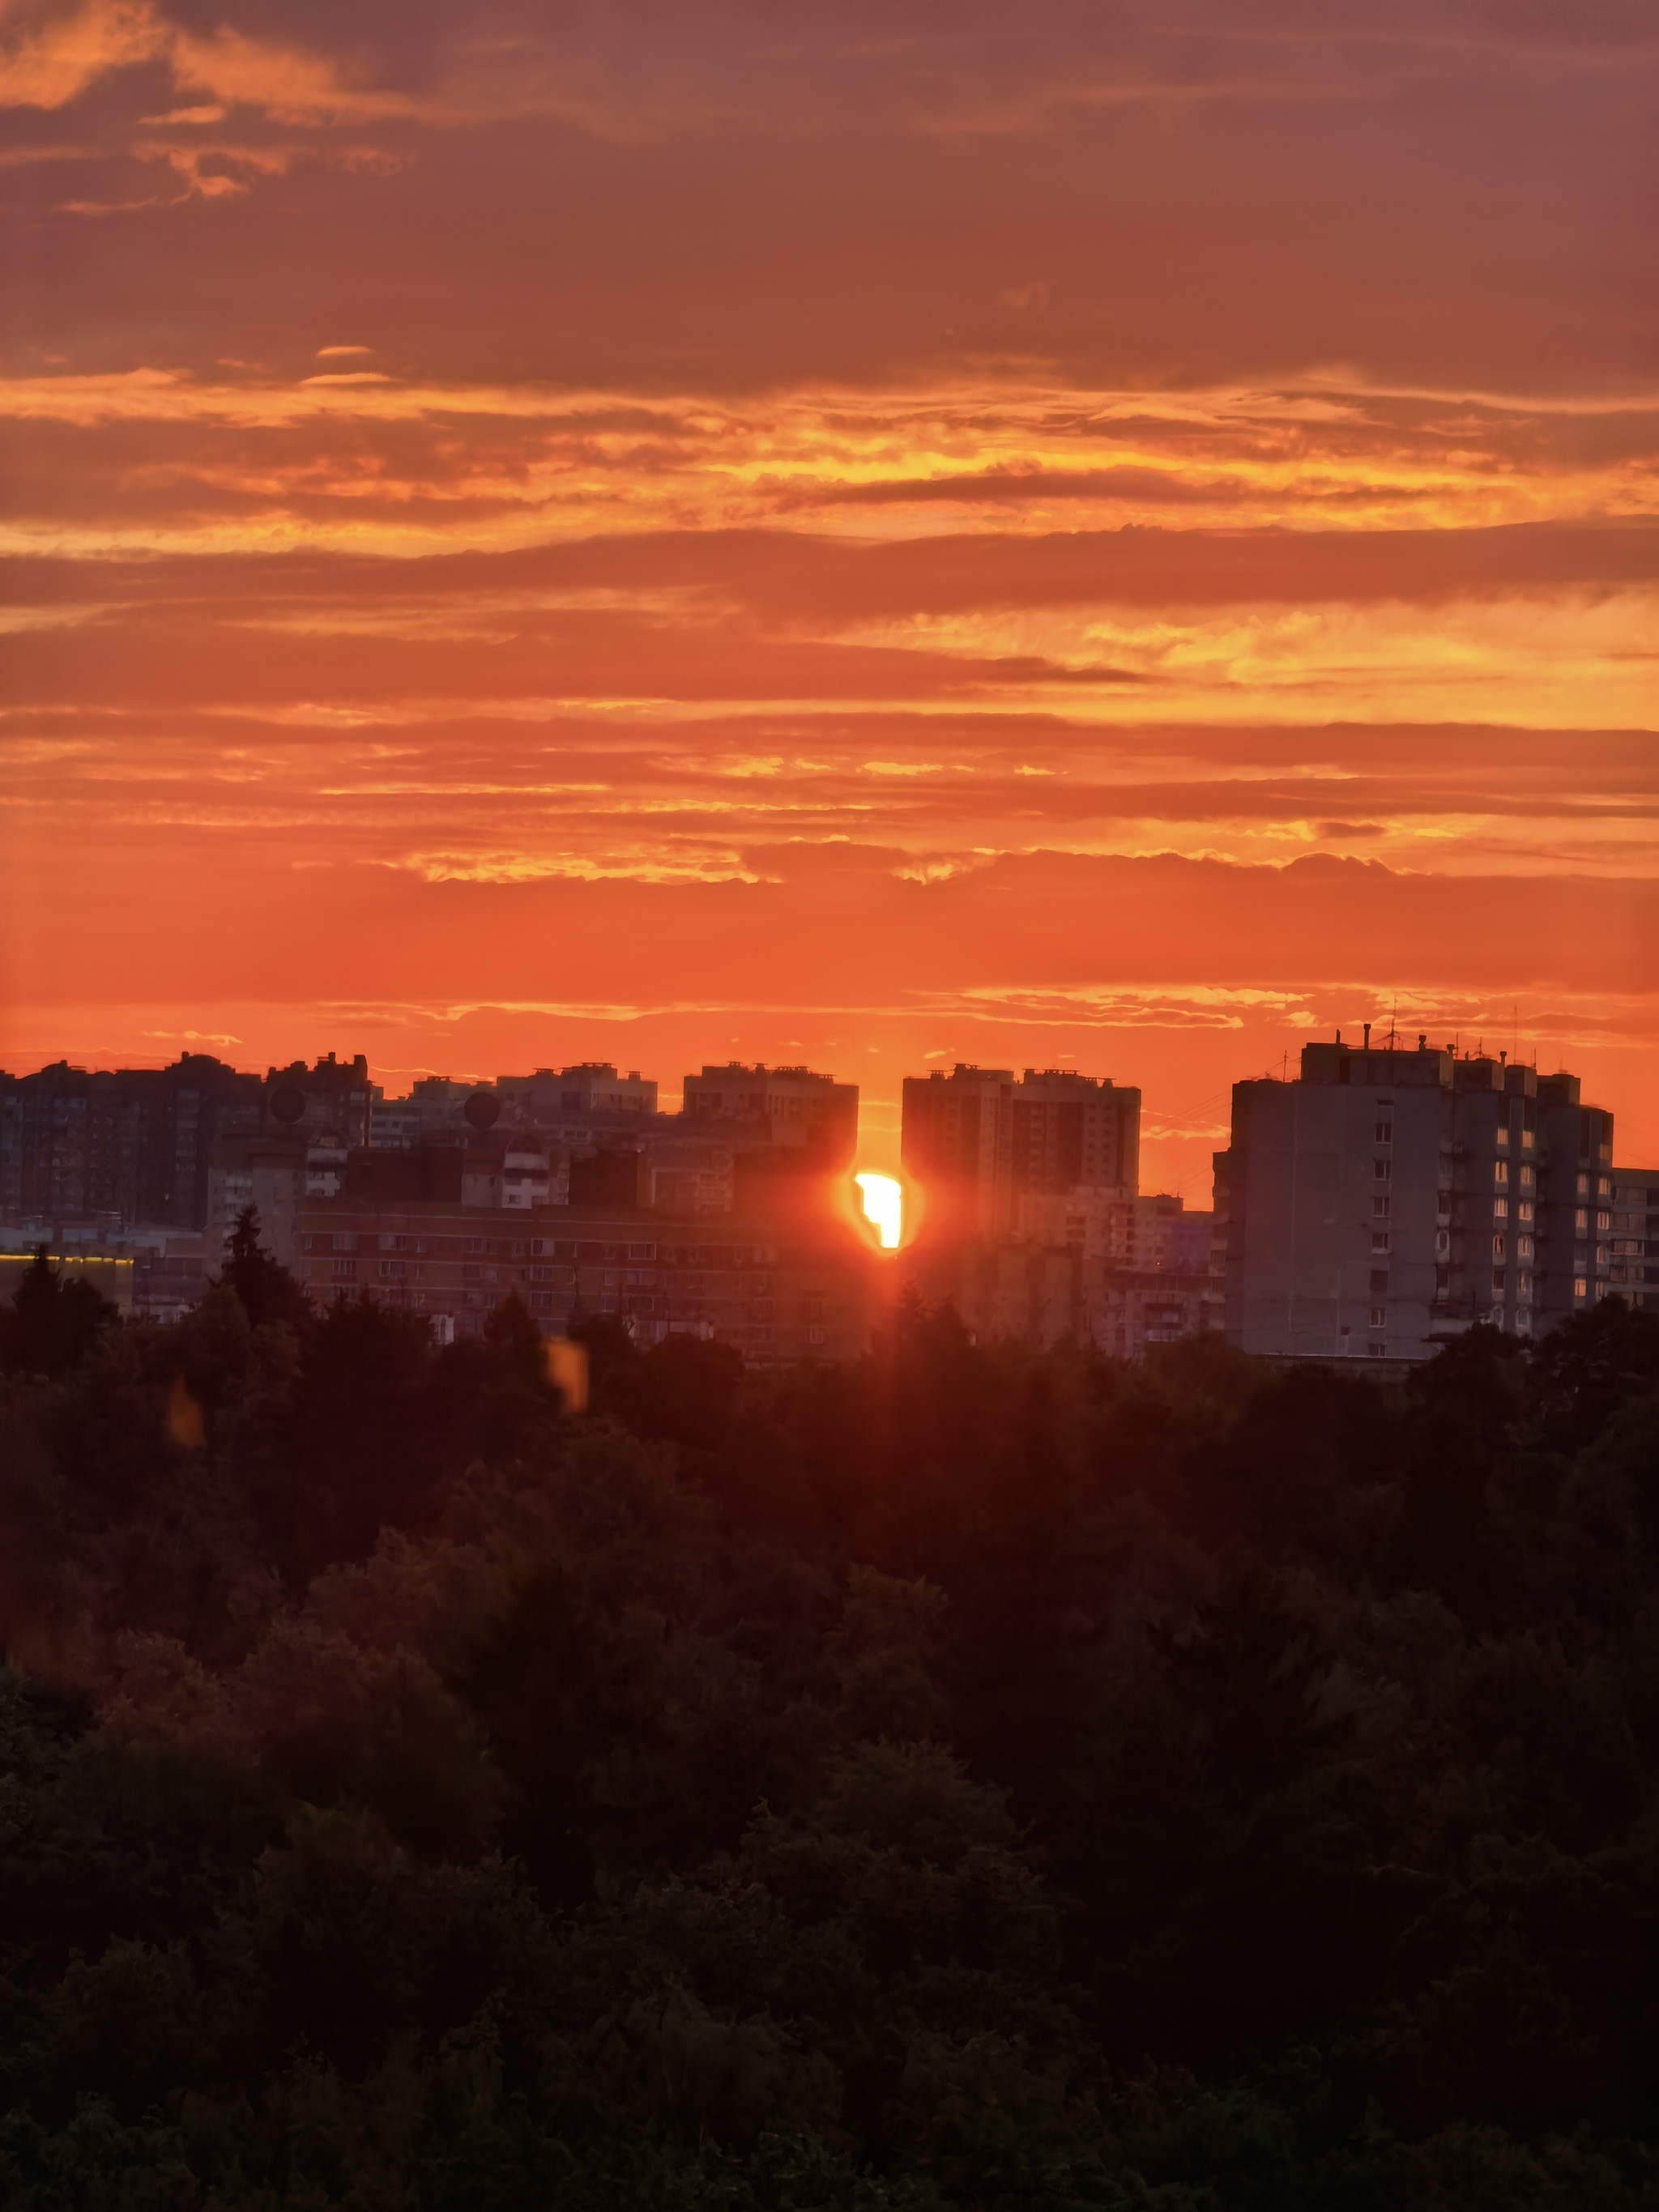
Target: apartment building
pixel 592 1089
pixel 1387 1198
pixel 120 1146
pixel 331 1101
pixel 1632 1235
pixel 984 1150
pixel 787 1109
pixel 776 1299
pixel 1040 1295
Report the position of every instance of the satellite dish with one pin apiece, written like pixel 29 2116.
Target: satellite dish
pixel 482 1110
pixel 288 1105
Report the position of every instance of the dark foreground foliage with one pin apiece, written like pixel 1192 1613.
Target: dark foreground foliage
pixel 969 1780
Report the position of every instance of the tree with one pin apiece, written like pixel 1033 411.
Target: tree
pixel 54 1321
pixel 267 1290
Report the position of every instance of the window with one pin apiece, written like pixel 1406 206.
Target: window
pixel 1379 1281
pixel 815 1336
pixel 1497 1246
pixel 640 1278
pixel 1385 1133
pixel 1523 1248
pixel 394 1243
pixel 1581 1221
pixel 1384 1169
pixel 519 1247
pixel 471 1272
pixel 1380 1209
pixel 1603 1187
pixel 393 1271
pixel 472 1244
pixel 1580 1287
pixel 345 1240
pixel 1500 1209
pixel 1583 1186
pixel 1528 1174
pixel 642 1252
pixel 540 1275
pixel 1379 1318
pixel 305 1241
pixel 1528 1140
pixel 1497 1282
pixel 343 1270
pixel 1500 1175
pixel 1603 1223
pixel 1379 1240
pixel 1503 1138
pixel 1523 1320
pixel 1377 1349
pixel 1523 1209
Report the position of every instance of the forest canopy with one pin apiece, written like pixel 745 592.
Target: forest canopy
pixel 966 1778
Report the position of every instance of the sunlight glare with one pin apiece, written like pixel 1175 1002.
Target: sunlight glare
pixel 884 1205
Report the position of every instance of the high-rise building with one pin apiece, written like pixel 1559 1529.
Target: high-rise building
pixel 788 1108
pixel 121 1145
pixel 977 1144
pixel 1385 1200
pixel 333 1099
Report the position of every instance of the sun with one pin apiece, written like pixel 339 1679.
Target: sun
pixel 884 1205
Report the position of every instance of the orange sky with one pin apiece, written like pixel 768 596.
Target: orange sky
pixel 868 534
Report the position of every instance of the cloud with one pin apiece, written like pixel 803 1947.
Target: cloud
pixel 52 56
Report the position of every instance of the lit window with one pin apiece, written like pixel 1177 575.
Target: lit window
pixel 1581 1221
pixel 1583 1186
pixel 1580 1287
pixel 1498 1247
pixel 1500 1209
pixel 1503 1138
pixel 1500 1175
pixel 1603 1188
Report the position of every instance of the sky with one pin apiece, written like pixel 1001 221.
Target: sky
pixel 1118 537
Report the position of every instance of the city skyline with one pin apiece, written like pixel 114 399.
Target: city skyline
pixel 865 539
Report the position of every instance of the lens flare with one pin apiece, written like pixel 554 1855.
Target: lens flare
pixel 884 1205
